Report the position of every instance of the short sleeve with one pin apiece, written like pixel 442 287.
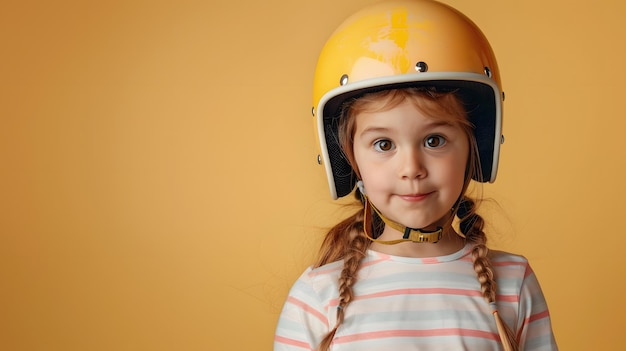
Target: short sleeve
pixel 302 322
pixel 535 333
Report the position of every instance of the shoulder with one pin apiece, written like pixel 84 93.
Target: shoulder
pixel 319 275
pixel 509 262
pixel 503 256
pixel 324 280
pixel 515 275
pixel 319 283
pixel 511 271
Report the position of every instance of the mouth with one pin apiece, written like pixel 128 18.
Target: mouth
pixel 415 197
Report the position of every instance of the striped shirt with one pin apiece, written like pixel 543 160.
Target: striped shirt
pixel 427 304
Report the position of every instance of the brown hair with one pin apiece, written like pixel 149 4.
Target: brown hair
pixel 347 241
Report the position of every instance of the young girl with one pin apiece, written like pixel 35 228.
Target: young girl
pixel 408 112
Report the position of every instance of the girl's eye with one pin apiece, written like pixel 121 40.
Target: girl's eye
pixel 434 141
pixel 383 145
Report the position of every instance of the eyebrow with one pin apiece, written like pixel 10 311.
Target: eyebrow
pixel 374 130
pixel 430 125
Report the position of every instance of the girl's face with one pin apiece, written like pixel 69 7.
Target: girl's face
pixel 412 165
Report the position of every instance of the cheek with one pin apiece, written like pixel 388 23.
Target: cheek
pixel 360 163
pixel 456 177
pixel 368 174
pixel 371 174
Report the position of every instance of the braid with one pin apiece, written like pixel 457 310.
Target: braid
pixel 344 241
pixel 471 226
pixel 351 265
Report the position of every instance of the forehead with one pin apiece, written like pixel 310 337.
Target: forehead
pixel 404 117
pixel 443 108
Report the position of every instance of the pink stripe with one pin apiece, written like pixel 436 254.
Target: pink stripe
pixel 529 271
pixel 416 333
pixel 508 298
pixel 292 342
pixel 430 260
pixel 467 258
pixel 318 271
pixel 382 256
pixel 533 318
pixel 422 291
pixel 509 263
pixel 538 316
pixel 308 309
pixel 373 262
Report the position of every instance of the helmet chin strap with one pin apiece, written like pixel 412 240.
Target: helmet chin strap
pixel 415 235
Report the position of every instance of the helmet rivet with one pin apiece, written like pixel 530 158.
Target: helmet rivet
pixel 503 96
pixel 501 139
pixel 343 80
pixel 313 111
pixel 421 66
pixel 319 159
pixel 488 72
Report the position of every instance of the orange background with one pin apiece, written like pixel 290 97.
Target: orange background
pixel 158 183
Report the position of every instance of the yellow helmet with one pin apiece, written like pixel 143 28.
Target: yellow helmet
pixel 400 43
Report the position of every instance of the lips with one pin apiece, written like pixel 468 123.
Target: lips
pixel 415 197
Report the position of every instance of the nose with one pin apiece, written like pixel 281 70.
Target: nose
pixel 411 164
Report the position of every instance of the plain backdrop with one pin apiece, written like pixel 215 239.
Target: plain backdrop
pixel 158 180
